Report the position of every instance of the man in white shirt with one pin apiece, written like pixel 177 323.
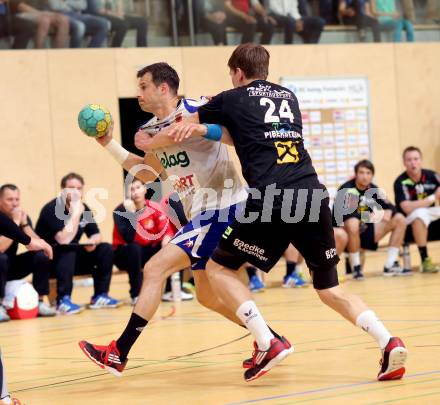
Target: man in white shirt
pixel 292 15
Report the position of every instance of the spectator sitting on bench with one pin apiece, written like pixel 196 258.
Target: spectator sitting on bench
pixel 213 19
pixel 62 222
pixel 15 266
pixel 21 29
pixel 416 191
pixel 391 20
pixel 292 16
pixel 358 12
pixel 115 12
pixel 45 21
pixel 249 16
pixel 364 226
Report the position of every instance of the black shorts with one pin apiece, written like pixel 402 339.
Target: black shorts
pixel 263 243
pixel 367 237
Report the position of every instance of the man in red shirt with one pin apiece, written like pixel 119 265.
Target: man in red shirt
pixel 141 229
pixel 248 17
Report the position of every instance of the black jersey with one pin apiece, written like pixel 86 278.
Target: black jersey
pixel 265 123
pixel 407 189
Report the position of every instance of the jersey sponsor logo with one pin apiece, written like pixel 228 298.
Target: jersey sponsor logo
pixel 267 91
pixel 179 159
pixel 253 250
pixel 227 232
pixel 184 183
pixel 330 254
pixel 282 130
pixel 287 152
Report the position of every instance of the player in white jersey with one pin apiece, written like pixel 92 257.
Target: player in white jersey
pixel 210 190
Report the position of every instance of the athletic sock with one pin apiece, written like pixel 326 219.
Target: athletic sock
pixel 423 250
pixel 290 268
pixel 369 322
pixel 251 271
pixel 355 259
pixel 135 326
pixel 393 254
pixel 254 322
pixel 273 332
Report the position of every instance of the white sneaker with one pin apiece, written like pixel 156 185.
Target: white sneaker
pixel 186 296
pixel 4 317
pixel 134 301
pixel 46 310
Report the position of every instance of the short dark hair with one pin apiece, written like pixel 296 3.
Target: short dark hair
pixel 252 59
pixel 7 186
pixel 411 149
pixel 366 164
pixel 162 73
pixel 70 176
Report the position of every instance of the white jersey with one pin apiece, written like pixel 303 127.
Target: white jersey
pixel 200 170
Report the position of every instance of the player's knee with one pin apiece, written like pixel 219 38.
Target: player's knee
pixel 330 295
pixel 154 272
pixel 206 299
pixel 399 220
pixel 352 226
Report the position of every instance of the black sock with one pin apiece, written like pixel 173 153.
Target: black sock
pixel 134 328
pixel 290 268
pixel 423 252
pixel 251 271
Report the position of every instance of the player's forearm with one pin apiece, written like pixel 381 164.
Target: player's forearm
pixel 5 243
pixel 65 236
pixel 410 206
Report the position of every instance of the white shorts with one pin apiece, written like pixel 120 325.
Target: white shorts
pixel 427 215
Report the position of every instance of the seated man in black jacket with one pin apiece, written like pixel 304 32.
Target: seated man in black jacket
pixel 62 222
pixel 15 266
pixel 364 226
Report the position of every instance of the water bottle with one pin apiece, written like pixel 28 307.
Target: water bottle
pixel 176 290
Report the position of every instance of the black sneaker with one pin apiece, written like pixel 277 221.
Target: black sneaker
pixel 357 273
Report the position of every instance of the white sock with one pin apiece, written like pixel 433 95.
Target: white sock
pixel 393 254
pixel 355 259
pixel 254 322
pixel 368 321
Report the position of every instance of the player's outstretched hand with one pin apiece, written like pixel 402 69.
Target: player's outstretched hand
pixel 183 130
pixel 105 139
pixel 40 244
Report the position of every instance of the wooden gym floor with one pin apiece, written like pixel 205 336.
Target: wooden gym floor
pixel 189 355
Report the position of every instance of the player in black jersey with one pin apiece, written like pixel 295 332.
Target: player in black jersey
pixel 370 217
pixel 416 191
pixel 264 124
pixel 11 230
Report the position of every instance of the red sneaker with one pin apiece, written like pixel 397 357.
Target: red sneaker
pixel 107 357
pixel 249 363
pixel 393 360
pixel 265 360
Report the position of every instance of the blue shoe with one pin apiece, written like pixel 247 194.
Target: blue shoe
pixel 294 280
pixel 67 307
pixel 104 301
pixel 255 284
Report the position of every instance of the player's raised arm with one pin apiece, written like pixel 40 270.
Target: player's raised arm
pixel 190 127
pixel 146 168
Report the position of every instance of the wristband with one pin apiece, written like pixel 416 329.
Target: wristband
pixel 214 132
pixel 117 151
pixel 431 198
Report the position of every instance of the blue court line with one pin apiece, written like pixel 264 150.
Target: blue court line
pixel 326 389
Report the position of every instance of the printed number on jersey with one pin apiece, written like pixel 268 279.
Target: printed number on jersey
pixel 283 112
